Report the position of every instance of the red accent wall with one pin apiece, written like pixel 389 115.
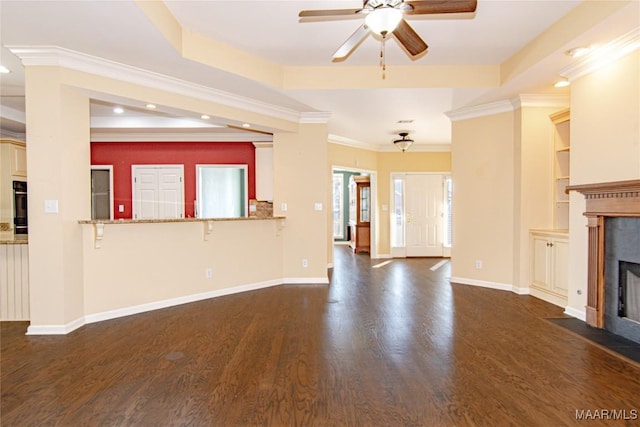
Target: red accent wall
pixel 124 154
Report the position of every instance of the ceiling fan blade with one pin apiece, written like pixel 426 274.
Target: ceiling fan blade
pixel 409 39
pixel 351 43
pixel 426 7
pixel 327 12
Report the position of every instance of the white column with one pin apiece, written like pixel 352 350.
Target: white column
pixel 58 155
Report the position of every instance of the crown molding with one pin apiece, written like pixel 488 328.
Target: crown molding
pixel 66 58
pixel 603 55
pixel 99 136
pixel 315 117
pixel 341 140
pixel 480 110
pixel 540 100
pixel 13 114
pixel 505 106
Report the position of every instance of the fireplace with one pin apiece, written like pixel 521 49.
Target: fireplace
pixel 622 276
pixel 629 291
pixel 613 222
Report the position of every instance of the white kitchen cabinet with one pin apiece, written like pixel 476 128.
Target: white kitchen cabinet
pixel 549 266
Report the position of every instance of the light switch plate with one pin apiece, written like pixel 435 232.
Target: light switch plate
pixel 51 206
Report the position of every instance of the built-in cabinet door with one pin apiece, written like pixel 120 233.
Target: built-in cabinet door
pixel 158 192
pixel 549 266
pixel 424 204
pixel 541 262
pixel 18 161
pixel 560 253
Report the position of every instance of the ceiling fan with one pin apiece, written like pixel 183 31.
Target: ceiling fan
pixel 386 17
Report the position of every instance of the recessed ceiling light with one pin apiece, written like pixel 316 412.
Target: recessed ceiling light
pixel 4 70
pixel 577 52
pixel 205 117
pixel 118 110
pixel 405 121
pixel 246 125
pixel 151 106
pixel 562 83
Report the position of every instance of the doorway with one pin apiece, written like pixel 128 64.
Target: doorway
pixel 158 191
pixel 102 192
pixel 420 209
pixel 340 206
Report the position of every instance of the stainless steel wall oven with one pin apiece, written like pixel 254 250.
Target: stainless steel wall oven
pixel 20 220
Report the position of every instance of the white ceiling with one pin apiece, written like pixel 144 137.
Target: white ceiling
pixel 119 31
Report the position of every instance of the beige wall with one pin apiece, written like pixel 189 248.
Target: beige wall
pixel 58 156
pixel 300 181
pixel 140 264
pixel 483 198
pixel 605 146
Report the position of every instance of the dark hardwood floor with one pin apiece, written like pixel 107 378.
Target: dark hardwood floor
pixel 396 345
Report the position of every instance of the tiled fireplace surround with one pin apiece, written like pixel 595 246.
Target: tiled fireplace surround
pixel 605 201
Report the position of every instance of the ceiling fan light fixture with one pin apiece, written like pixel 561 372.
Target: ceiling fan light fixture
pixel 404 142
pixel 383 20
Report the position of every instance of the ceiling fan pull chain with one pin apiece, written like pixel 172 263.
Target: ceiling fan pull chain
pixel 382 56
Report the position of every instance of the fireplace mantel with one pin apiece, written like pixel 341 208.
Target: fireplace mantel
pixel 607 199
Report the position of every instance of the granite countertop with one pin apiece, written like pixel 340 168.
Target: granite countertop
pixel 157 221
pixel 14 240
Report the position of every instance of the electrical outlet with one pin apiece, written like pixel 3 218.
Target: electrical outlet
pixel 208 273
pixel 283 207
pixel 479 264
pixel 120 208
pixel 305 263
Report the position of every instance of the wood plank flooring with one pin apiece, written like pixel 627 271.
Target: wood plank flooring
pixel 391 346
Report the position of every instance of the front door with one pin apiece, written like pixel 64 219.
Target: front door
pixel 424 204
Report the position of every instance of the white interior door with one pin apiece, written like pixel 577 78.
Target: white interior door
pixel 424 221
pixel 158 192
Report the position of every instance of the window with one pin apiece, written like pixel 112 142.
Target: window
pixel 338 206
pixel 221 191
pixel 397 218
pixel 448 218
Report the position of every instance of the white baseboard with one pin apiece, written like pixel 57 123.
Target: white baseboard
pixel 55 329
pixel 382 256
pixel 482 283
pixel 549 297
pixel 156 305
pixel 305 281
pixel 141 308
pixel 521 291
pixel 574 312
